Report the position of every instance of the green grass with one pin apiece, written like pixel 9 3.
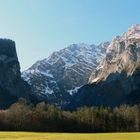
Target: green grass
pixel 67 136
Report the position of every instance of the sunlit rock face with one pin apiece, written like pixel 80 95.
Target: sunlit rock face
pixel 79 75
pixel 11 85
pixel 117 78
pixel 123 54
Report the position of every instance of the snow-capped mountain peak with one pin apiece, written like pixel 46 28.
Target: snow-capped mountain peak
pixel 129 37
pixel 70 54
pixel 116 80
pixel 122 54
pixel 133 32
pixel 57 76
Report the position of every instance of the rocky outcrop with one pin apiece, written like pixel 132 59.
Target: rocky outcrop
pixel 122 54
pixel 11 85
pixel 117 79
pixel 58 77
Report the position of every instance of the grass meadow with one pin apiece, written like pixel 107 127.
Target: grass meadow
pixel 68 136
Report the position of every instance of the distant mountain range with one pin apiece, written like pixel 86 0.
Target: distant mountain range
pixel 79 75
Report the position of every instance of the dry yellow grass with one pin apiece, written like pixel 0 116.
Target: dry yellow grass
pixel 67 136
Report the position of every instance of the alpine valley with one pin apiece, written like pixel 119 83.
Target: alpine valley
pixel 107 74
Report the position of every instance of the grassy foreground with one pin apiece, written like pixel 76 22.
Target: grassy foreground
pixel 67 136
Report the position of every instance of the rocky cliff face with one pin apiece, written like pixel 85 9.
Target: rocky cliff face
pixel 58 77
pixel 122 54
pixel 117 79
pixel 11 85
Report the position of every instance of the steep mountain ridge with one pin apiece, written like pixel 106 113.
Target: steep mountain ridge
pixel 116 79
pixel 11 85
pixel 123 53
pixel 59 76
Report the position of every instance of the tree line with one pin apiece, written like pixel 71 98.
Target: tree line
pixel 23 116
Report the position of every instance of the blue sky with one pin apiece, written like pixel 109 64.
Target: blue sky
pixel 40 27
